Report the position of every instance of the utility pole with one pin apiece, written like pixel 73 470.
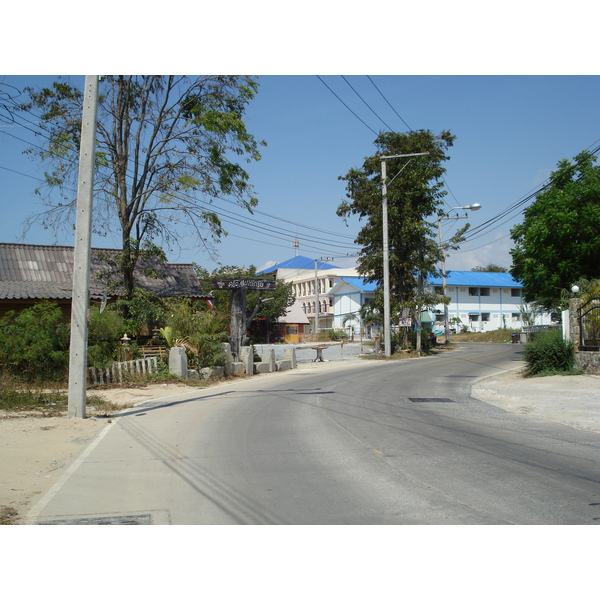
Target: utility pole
pixel 82 252
pixel 386 252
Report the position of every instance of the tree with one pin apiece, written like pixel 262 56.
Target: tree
pixel 558 242
pixel 166 148
pixel 491 268
pixel 414 192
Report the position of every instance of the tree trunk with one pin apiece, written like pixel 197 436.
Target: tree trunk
pixel 238 321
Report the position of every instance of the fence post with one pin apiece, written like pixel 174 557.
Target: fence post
pixel 574 325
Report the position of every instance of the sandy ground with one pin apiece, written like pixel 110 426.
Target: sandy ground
pixel 35 451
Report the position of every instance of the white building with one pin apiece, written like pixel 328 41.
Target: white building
pixel 348 296
pixel 483 301
pixel 308 277
pixel 479 301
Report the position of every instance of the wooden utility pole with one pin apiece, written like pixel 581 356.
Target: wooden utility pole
pixel 82 252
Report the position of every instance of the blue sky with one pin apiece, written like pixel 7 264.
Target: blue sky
pixel 510 133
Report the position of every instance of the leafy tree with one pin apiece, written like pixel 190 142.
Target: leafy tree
pixel 105 329
pixel 414 193
pixel 166 148
pixel 491 268
pixel 558 242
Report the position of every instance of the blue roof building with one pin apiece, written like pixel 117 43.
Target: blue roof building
pixel 302 263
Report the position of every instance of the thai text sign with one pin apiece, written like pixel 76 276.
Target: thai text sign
pixel 248 283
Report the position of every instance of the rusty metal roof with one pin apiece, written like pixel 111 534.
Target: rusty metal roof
pixel 35 272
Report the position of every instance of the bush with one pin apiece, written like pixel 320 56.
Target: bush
pixel 105 329
pixel 34 343
pixel 406 339
pixel 202 332
pixel 547 353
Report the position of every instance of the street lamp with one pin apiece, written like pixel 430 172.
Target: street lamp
pixel 386 258
pixel 447 217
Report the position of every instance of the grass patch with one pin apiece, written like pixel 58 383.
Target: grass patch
pixel 500 336
pixel 44 401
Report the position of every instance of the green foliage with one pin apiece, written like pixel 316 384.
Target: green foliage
pixel 282 296
pixel 558 242
pixel 143 308
pixel 200 330
pixel 104 332
pixel 414 196
pixel 547 353
pixel 490 268
pixel 34 343
pixel 406 339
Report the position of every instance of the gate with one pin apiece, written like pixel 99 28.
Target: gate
pixel 589 325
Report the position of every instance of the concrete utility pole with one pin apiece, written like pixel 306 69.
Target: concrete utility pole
pixel 447 217
pixel 82 252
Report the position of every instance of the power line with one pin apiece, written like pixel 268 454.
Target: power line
pixel 321 80
pixel 246 222
pixel 381 93
pixel 366 104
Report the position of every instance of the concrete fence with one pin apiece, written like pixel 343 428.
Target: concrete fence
pixel 120 371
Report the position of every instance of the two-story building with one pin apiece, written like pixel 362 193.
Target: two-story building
pixel 312 281
pixel 347 297
pixel 483 301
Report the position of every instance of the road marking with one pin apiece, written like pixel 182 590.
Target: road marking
pixel 53 491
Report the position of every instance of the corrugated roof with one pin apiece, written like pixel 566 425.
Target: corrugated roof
pixel 34 272
pixel 299 262
pixel 477 279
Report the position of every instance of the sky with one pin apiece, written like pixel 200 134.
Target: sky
pixel 518 97
pixel 510 133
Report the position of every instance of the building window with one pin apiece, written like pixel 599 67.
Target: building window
pixel 473 318
pixel 473 291
pixel 515 292
pixel 516 317
pixel 485 317
pixel 484 291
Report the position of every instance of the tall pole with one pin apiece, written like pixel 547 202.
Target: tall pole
pixel 82 252
pixel 316 300
pixel 446 331
pixel 387 342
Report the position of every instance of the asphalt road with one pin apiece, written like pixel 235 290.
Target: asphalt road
pixel 365 442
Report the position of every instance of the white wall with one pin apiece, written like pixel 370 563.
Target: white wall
pixel 487 310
